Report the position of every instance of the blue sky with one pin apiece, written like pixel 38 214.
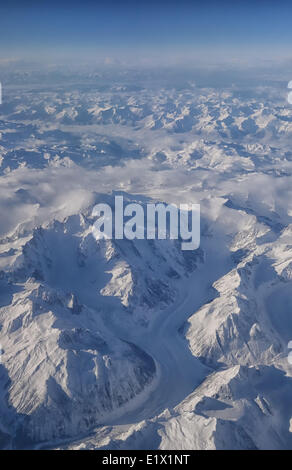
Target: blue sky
pixel 30 28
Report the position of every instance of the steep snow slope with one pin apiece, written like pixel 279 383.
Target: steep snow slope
pixel 65 368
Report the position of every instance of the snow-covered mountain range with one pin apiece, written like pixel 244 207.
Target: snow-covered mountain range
pixel 121 344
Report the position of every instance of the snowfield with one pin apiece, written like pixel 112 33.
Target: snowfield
pixel 122 344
